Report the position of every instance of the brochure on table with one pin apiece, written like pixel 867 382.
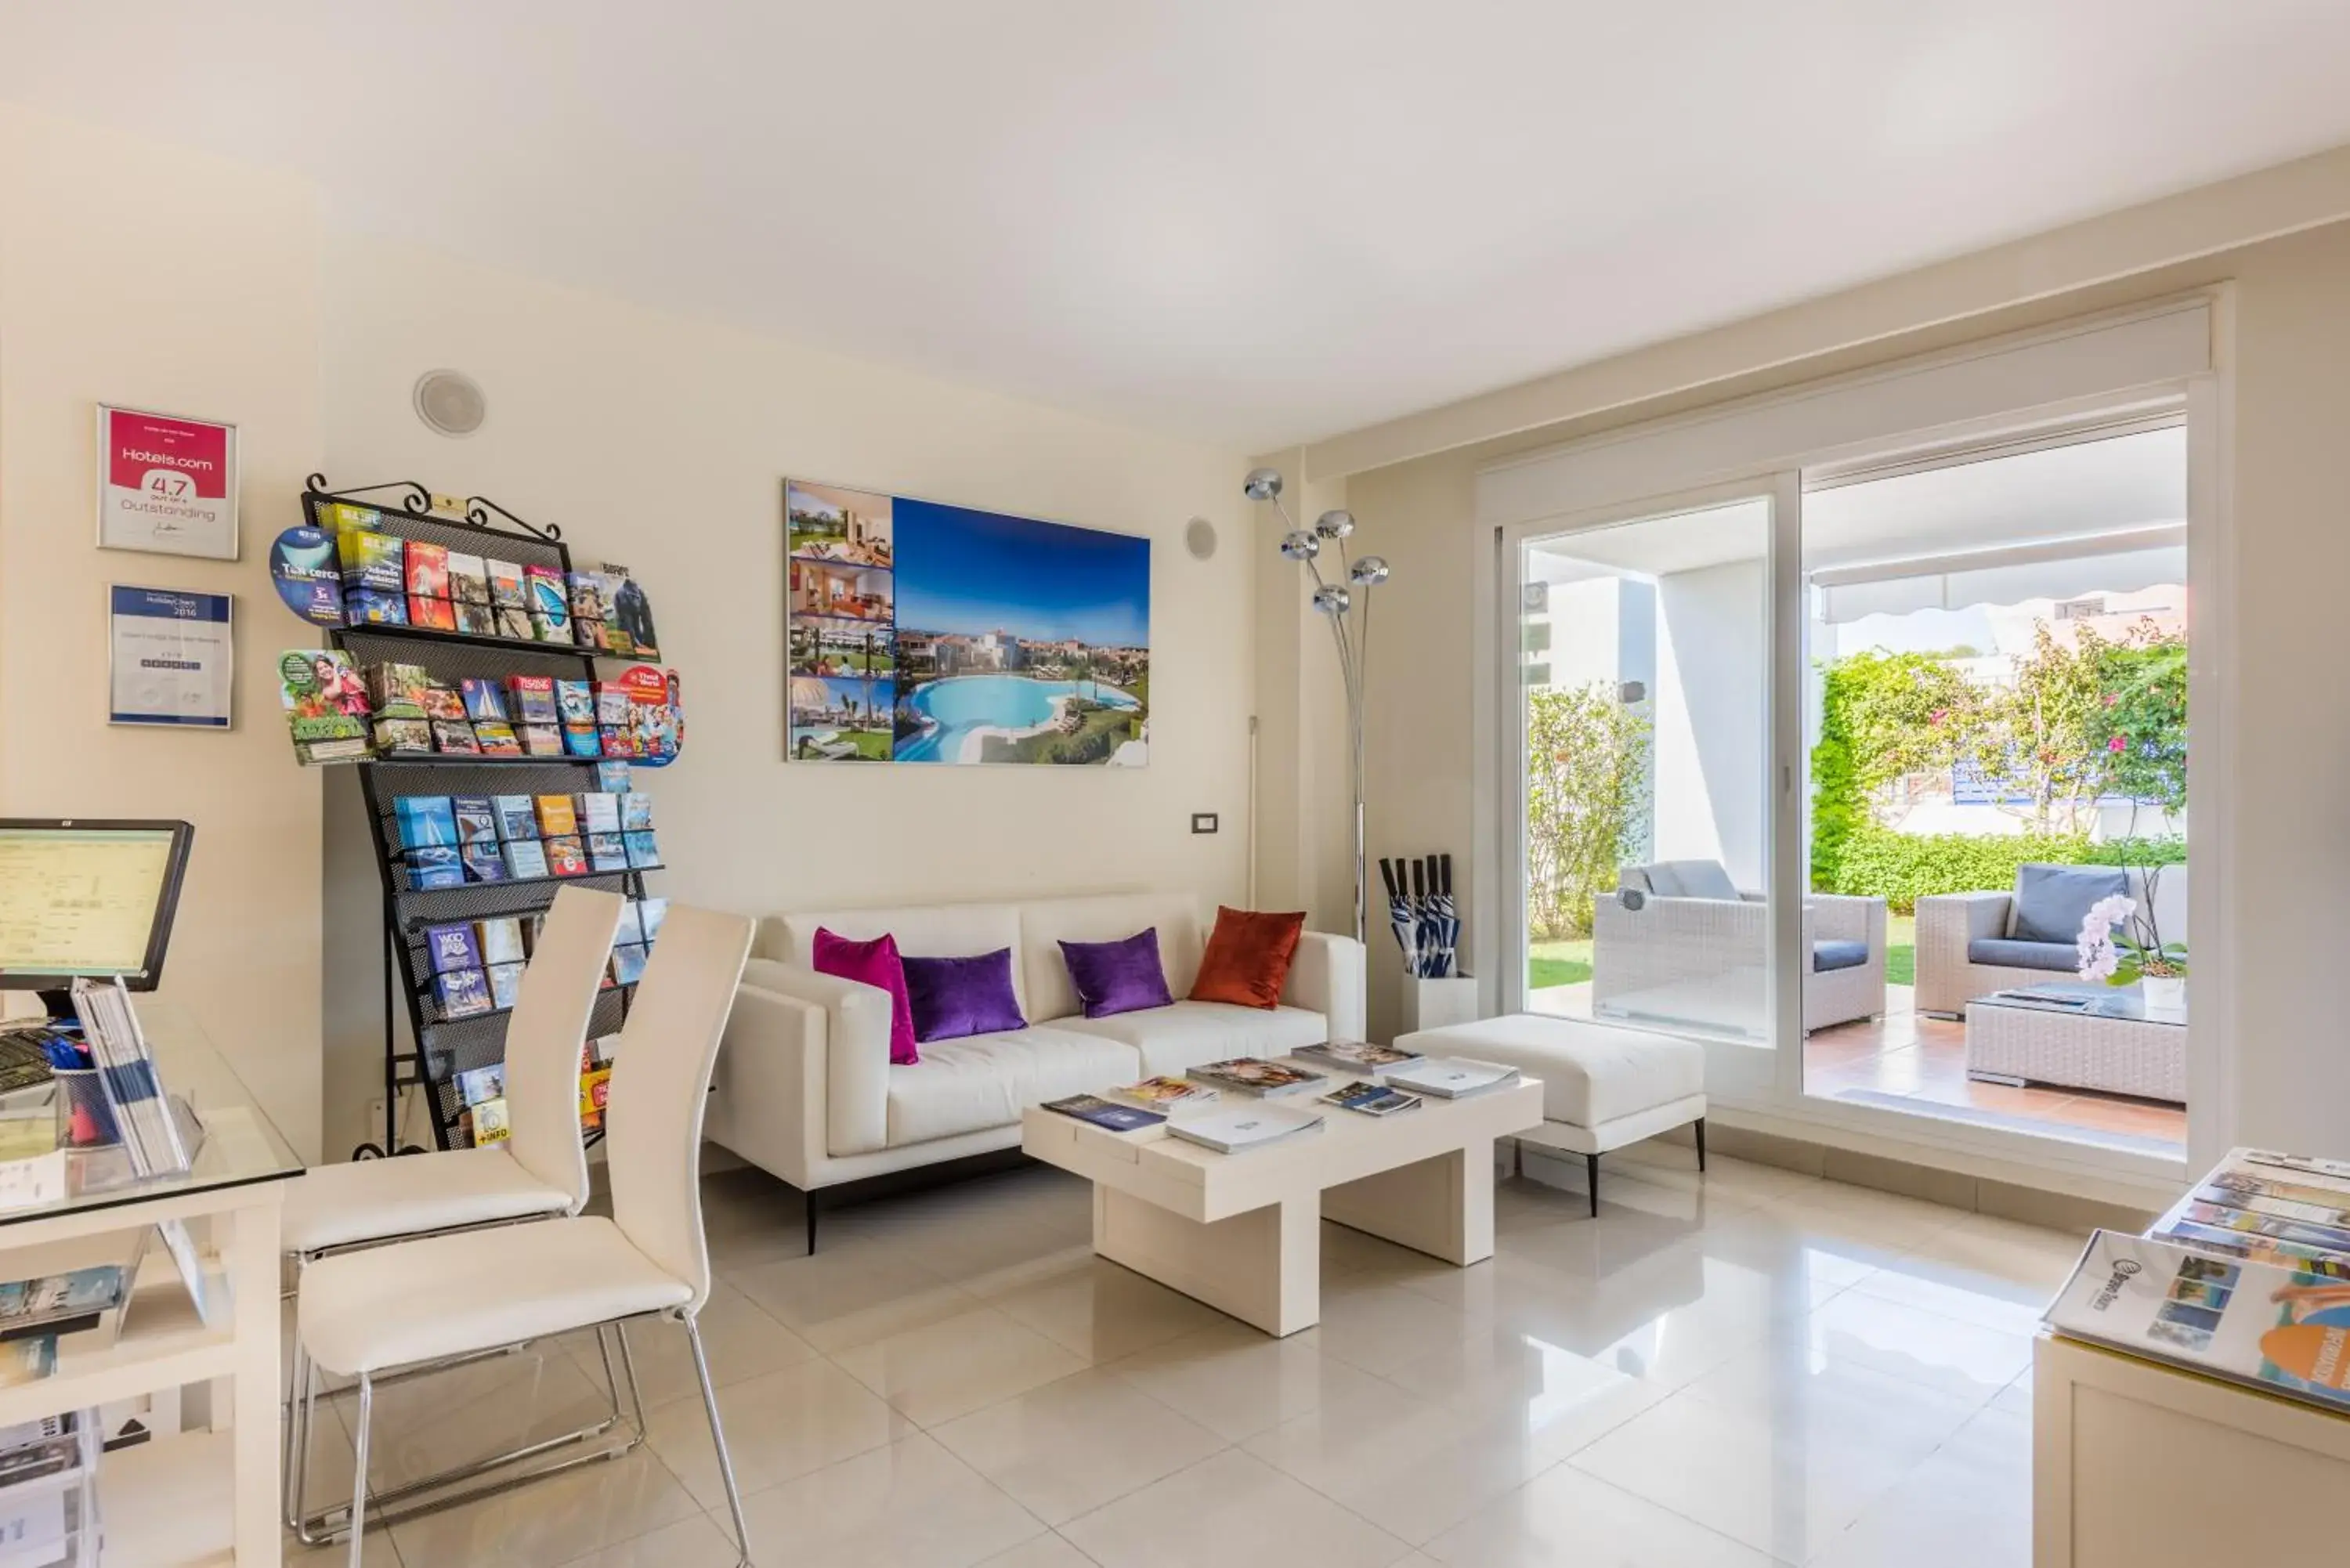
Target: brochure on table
pixel 2246 1277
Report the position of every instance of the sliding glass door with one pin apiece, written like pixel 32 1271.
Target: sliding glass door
pixel 1795 765
pixel 1651 775
pixel 1997 681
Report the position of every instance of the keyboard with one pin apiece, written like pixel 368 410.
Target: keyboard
pixel 24 1057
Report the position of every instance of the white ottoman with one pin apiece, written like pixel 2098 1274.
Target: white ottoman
pixel 1603 1085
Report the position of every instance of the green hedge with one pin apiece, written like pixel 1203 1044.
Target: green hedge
pixel 1902 868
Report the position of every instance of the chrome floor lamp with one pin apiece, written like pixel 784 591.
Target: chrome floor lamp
pixel 1346 602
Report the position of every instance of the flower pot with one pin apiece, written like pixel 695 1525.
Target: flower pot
pixel 2163 993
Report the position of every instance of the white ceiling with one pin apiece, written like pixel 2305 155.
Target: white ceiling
pixel 1252 221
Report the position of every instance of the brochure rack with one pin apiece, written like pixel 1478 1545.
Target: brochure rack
pixel 440 1048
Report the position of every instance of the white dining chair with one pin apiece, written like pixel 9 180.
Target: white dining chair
pixel 538 1172
pixel 371 1314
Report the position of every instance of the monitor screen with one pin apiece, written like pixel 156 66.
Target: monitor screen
pixel 87 898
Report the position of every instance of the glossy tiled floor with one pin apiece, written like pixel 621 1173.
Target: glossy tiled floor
pixel 1749 1368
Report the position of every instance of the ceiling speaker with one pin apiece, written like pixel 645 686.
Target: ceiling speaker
pixel 450 401
pixel 1200 538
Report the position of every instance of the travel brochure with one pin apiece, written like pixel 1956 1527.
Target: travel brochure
pixel 2247 1277
pixel 339 712
pixel 2283 1329
pixel 453 841
pixel 476 968
pixel 1372 1099
pixel 347 571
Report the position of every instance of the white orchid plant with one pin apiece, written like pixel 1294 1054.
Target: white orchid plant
pixel 2121 947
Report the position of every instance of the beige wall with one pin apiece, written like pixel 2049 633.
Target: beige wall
pixel 140 274
pixel 662 441
pixel 2290 357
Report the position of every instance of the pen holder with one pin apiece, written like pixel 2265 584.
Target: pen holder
pixel 85 1120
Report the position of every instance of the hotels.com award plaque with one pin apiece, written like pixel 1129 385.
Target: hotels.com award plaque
pixel 166 485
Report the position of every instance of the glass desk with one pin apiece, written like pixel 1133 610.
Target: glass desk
pixel 240 1145
pixel 233 1191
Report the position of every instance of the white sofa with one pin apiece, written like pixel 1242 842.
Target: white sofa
pixel 805 1090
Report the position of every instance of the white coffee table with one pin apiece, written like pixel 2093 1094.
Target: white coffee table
pixel 1242 1231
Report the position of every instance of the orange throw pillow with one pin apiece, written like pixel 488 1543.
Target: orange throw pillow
pixel 1247 961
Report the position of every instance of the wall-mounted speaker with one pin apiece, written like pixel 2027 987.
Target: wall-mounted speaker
pixel 451 402
pixel 1200 538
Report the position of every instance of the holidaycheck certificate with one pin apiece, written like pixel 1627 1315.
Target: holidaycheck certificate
pixel 171 657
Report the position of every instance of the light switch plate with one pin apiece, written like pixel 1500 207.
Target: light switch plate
pixel 1203 822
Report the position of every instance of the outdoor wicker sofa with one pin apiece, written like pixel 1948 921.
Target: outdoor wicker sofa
pixel 1679 943
pixel 1968 944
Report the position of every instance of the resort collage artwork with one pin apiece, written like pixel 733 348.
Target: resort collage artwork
pixel 925 633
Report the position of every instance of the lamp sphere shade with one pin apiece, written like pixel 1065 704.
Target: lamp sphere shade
pixel 1370 571
pixel 1300 546
pixel 1335 524
pixel 1333 599
pixel 1261 484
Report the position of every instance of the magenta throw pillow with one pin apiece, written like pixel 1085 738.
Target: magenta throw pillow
pixel 1123 976
pixel 954 997
pixel 874 963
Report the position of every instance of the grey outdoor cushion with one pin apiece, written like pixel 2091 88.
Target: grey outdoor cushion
pixel 2051 901
pixel 1696 879
pixel 1826 956
pixel 2009 953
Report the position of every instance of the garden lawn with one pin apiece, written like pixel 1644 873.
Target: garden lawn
pixel 1558 963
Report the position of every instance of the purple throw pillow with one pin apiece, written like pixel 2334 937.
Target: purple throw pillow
pixel 953 997
pixel 874 963
pixel 1117 977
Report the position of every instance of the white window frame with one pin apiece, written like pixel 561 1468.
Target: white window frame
pixel 2150 361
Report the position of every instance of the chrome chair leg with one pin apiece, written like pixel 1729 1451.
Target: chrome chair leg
pixel 324 1528
pixel 628 1366
pixel 718 1440
pixel 290 1465
pixel 359 1470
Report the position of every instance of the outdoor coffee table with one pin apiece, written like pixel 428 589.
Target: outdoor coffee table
pixel 2110 1042
pixel 1242 1231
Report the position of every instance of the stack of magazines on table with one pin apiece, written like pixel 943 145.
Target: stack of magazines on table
pixel 1386 1082
pixel 2246 1277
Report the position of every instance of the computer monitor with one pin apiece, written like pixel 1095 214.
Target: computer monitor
pixel 85 898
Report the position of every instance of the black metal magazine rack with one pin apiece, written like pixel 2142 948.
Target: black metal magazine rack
pixel 444 1047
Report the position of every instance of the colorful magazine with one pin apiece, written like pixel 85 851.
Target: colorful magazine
pixel 1104 1113
pixel 1165 1093
pixel 2282 1329
pixel 1255 1076
pixel 1356 1056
